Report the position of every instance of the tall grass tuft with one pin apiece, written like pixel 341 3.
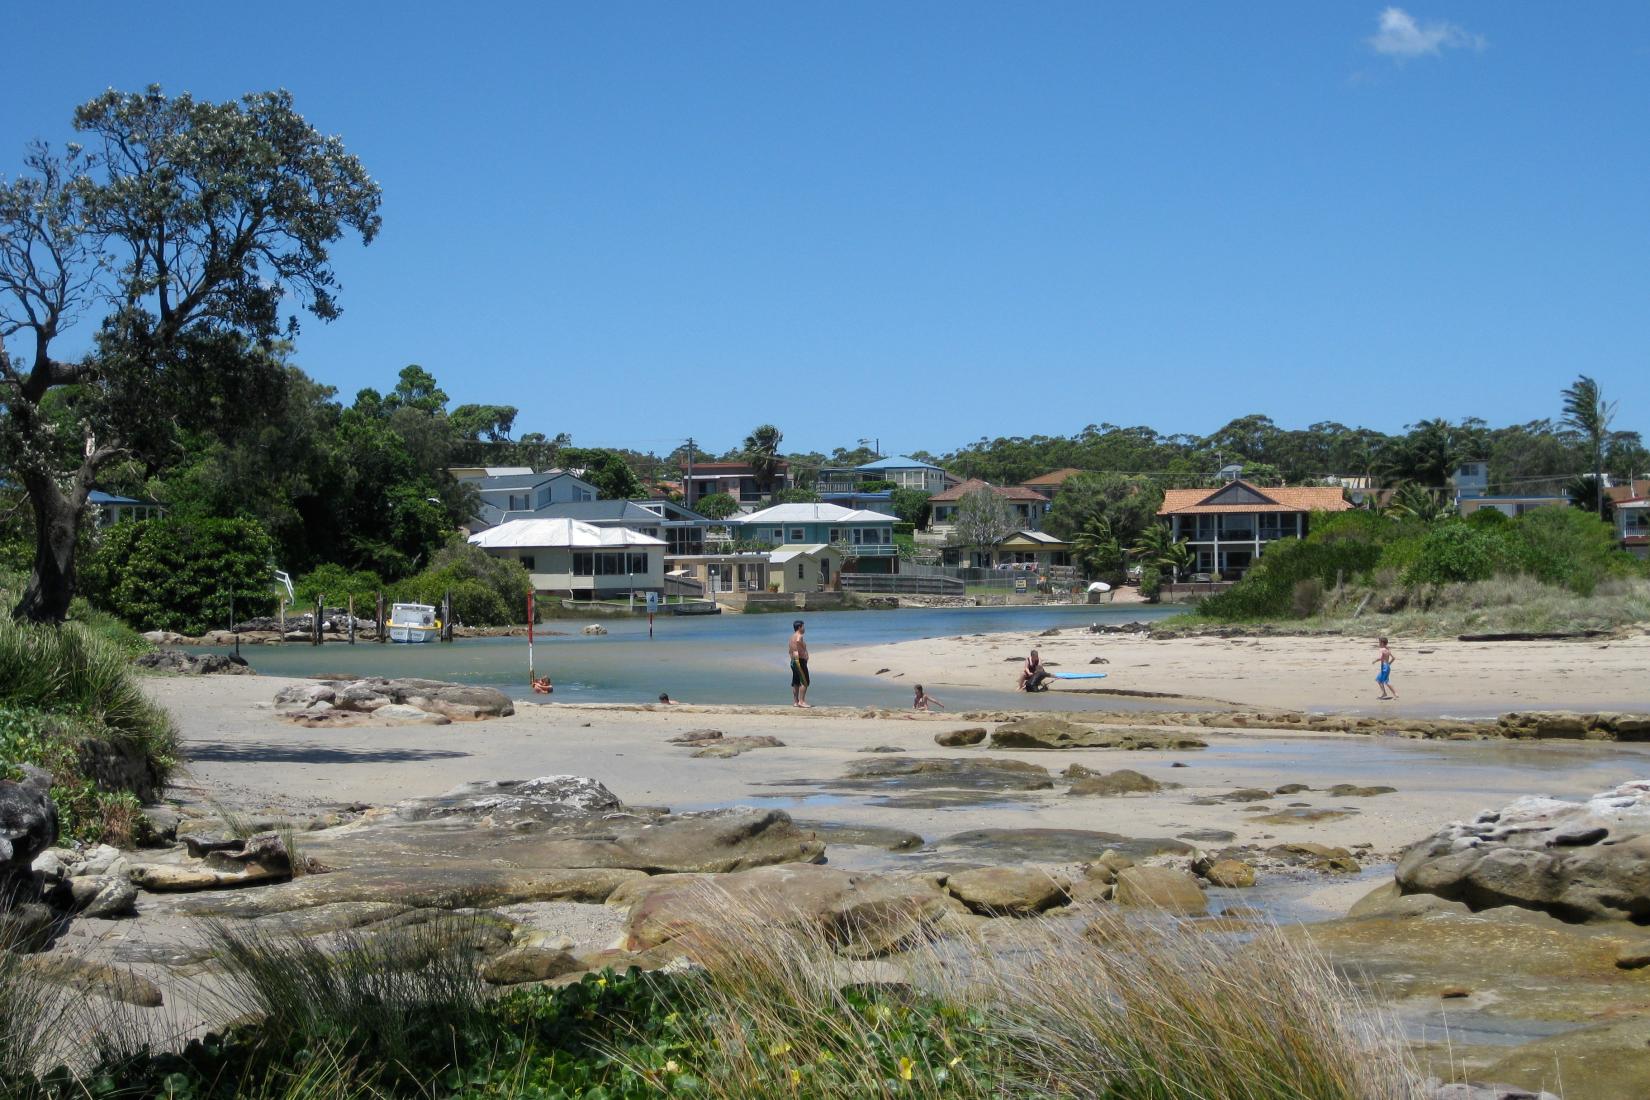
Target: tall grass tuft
pixel 389 1001
pixel 70 669
pixel 1151 1014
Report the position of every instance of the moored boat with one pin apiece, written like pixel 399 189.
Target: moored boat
pixel 413 622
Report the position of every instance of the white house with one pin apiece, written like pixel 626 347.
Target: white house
pixel 579 560
pixel 866 538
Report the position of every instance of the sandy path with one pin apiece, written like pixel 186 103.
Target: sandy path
pixel 1300 673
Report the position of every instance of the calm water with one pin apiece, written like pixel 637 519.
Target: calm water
pixel 705 659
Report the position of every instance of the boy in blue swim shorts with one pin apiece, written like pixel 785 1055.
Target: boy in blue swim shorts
pixel 1383 678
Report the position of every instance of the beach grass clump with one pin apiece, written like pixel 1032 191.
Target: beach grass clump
pixel 1154 1011
pixel 70 703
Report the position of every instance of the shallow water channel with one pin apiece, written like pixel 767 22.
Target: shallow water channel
pixel 703 659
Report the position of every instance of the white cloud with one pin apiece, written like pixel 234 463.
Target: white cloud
pixel 1402 37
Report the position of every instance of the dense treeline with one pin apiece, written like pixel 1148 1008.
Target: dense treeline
pixel 1519 456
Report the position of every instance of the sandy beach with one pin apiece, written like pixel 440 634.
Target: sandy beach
pixel 1315 673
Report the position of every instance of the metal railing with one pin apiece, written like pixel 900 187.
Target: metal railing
pixel 909 584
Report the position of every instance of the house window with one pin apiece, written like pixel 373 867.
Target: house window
pixel 779 534
pixel 529 563
pixel 584 565
pixel 638 563
pixel 798 534
pixel 836 534
pixel 799 573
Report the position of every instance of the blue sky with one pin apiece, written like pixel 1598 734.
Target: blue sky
pixel 928 222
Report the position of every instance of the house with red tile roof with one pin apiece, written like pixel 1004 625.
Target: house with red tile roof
pixel 1048 485
pixel 1227 528
pixel 1027 506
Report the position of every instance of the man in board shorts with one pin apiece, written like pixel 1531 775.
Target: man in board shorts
pixel 799 666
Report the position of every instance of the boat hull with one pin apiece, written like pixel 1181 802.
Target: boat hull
pixel 413 635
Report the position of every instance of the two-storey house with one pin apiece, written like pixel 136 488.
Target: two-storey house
pixel 1227 528
pixel 866 539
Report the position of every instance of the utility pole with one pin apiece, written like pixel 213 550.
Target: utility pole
pixel 687 482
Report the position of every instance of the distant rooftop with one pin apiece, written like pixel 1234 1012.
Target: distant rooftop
pixel 897 462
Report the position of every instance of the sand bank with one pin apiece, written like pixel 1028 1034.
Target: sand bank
pixel 1464 679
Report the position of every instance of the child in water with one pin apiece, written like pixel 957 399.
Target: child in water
pixel 925 701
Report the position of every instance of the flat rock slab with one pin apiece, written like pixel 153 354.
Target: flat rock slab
pixel 367 892
pixel 1109 784
pixel 510 802
pixel 980 773
pixel 1303 815
pixel 1057 845
pixel 734 746
pixel 871 836
pixel 1058 733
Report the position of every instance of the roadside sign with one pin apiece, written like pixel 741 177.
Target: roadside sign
pixel 1019 584
pixel 652 603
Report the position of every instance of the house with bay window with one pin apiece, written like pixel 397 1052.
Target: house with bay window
pixel 567 557
pixel 1227 528
pixel 865 538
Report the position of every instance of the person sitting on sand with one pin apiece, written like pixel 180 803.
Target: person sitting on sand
pixel 542 685
pixel 925 701
pixel 1383 678
pixel 666 700
pixel 1030 674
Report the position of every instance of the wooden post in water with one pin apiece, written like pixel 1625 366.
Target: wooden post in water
pixel 315 623
pixel 447 616
pixel 352 620
pixel 383 634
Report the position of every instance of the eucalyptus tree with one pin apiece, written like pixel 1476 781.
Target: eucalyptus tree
pixel 186 235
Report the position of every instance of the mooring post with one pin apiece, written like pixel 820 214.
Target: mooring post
pixel 447 616
pixel 315 624
pixel 383 635
pixel 352 620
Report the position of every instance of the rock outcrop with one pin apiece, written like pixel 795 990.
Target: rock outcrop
pixel 1044 732
pixel 1580 861
pixel 373 697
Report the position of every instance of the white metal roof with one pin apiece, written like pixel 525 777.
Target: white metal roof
pixel 557 533
pixel 812 513
pixel 795 550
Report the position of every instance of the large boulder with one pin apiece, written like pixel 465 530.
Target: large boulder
pixel 861 915
pixel 952 739
pixel 510 802
pixel 28 826
pixel 1046 732
pixel 1007 891
pixel 1583 861
pixel 1162 888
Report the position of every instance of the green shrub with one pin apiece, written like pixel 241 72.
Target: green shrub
pixel 1151 582
pixel 1572 548
pixel 716 506
pixel 486 590
pixel 1268 589
pixel 337 585
pixel 69 704
pixel 180 574
pixel 1452 552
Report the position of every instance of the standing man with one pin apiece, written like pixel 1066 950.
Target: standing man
pixel 799 666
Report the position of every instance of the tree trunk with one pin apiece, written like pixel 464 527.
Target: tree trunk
pixel 56 528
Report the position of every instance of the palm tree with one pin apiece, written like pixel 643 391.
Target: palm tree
pixel 1412 501
pixel 1588 416
pixel 762 452
pixel 1158 546
pixel 1098 548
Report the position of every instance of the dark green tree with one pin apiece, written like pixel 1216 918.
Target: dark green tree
pixel 911 506
pixel 716 505
pixel 761 450
pixel 190 226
